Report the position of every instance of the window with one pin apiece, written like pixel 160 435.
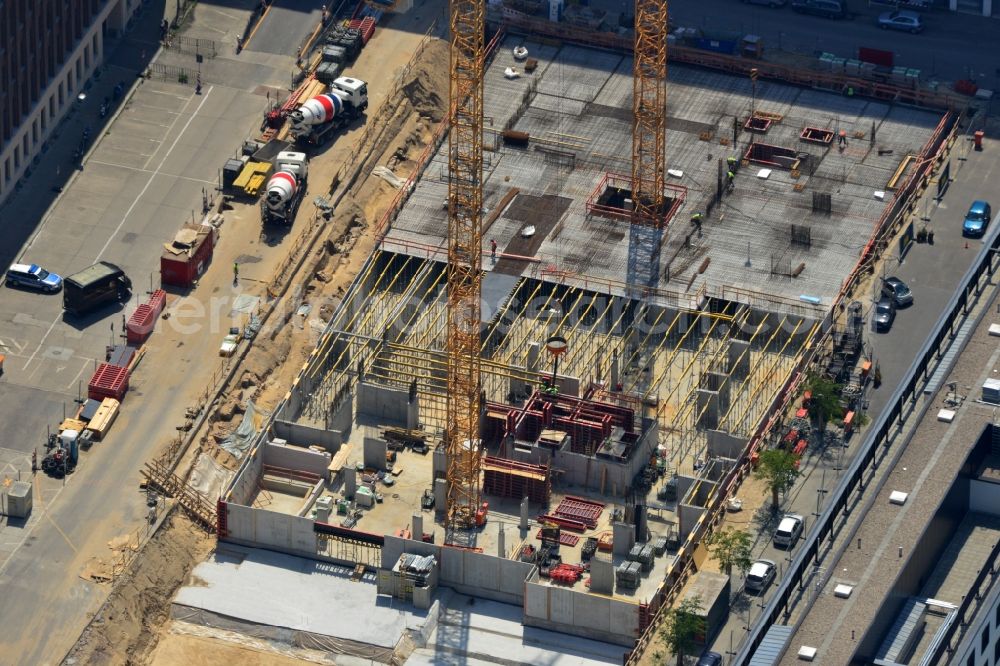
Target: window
pixel 996 650
pixel 971 661
pixel 984 639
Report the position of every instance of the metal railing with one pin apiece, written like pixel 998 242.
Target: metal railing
pixel 900 407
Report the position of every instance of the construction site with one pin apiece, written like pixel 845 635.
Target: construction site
pixel 561 301
pixel 621 367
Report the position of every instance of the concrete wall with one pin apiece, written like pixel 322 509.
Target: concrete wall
pixel 247 478
pixel 723 445
pixel 475 574
pixel 271 530
pixel 581 614
pixel 383 403
pixel 304 435
pixel 984 497
pixel 297 458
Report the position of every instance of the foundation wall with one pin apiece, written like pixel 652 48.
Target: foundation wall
pixel 296 458
pixel 468 572
pixel 384 404
pixel 305 435
pixel 244 484
pixel 581 614
pixel 269 529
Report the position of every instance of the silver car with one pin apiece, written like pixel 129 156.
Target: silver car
pixel 760 575
pixel 904 20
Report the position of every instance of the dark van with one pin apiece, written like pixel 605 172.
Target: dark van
pixel 95 286
pixel 834 9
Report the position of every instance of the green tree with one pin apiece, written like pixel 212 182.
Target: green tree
pixel 682 625
pixel 825 402
pixel 776 468
pixel 731 548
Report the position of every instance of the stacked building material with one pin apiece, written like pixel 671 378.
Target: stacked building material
pixel 109 381
pixel 628 575
pixel 643 555
pixel 585 511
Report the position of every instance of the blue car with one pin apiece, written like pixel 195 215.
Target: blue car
pixel 977 219
pixel 33 277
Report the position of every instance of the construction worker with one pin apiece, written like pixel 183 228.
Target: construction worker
pixel 493 249
pixel 696 221
pixel 730 176
pixel 733 163
pixel 842 139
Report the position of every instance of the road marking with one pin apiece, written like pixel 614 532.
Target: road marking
pixel 256 27
pixel 86 363
pixel 135 202
pixel 169 175
pixel 41 342
pixel 63 534
pixel 153 175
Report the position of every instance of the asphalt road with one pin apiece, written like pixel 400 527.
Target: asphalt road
pixel 142 178
pixel 952 47
pixel 932 272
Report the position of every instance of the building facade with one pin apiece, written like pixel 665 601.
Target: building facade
pixel 48 50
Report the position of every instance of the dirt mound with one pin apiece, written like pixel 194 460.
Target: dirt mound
pixel 426 85
pixel 127 625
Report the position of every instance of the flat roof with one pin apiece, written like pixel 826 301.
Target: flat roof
pixel 576 107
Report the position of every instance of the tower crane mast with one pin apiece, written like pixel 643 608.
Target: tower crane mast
pixel 465 239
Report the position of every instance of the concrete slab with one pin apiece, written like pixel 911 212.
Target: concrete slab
pixel 481 631
pixel 272 589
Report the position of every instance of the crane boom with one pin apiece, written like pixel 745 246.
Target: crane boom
pixel 465 238
pixel 649 111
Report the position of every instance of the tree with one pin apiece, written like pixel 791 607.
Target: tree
pixel 731 548
pixel 825 402
pixel 776 468
pixel 682 625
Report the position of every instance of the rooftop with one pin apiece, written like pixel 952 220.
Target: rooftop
pixel 576 109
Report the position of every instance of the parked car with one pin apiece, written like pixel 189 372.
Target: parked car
pixel 768 3
pixel 33 277
pixel 789 530
pixel 896 289
pixel 760 575
pixel 904 20
pixel 710 659
pixel 977 219
pixel 885 314
pixel 825 8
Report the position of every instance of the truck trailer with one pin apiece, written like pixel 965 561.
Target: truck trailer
pixel 93 287
pixel 319 119
pixel 285 188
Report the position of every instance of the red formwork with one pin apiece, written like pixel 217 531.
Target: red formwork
pixel 579 509
pixel 563 522
pixel 109 381
pixel 140 325
pixel 564 538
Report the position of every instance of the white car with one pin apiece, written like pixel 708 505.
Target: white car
pixel 789 530
pixel 760 575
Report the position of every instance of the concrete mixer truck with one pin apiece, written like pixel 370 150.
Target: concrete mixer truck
pixel 319 119
pixel 285 188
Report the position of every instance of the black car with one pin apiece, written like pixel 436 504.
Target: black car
pixel 896 289
pixel 885 314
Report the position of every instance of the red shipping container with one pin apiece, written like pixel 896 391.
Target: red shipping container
pixel 109 381
pixel 185 259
